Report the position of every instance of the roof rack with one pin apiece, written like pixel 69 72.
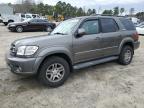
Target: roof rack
pixel 107 15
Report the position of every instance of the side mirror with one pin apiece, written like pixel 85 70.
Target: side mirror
pixel 81 32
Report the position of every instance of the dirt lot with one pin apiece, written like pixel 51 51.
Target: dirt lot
pixel 108 85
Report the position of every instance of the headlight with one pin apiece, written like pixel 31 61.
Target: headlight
pixel 12 25
pixel 27 50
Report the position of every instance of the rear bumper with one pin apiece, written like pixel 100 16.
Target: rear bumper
pixel 136 45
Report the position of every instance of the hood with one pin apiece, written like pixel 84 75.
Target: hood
pixel 41 41
pixel 17 23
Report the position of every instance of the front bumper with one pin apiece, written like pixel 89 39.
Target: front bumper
pixel 136 45
pixel 24 66
pixel 11 28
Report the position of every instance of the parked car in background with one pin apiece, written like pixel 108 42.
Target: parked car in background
pixel 31 25
pixel 140 24
pixel 74 44
pixel 135 20
pixel 27 16
pixel 0 19
pixel 140 29
pixel 19 17
pixel 6 19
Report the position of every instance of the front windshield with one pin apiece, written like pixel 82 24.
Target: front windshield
pixel 65 27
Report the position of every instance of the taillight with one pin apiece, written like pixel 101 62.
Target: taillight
pixel 135 36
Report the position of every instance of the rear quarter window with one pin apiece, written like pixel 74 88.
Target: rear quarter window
pixel 128 24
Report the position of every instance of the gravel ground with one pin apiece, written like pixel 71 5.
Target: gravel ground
pixel 108 85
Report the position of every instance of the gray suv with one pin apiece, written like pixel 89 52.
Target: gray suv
pixel 74 44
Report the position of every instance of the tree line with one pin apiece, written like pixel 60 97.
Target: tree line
pixel 65 9
pixel 61 8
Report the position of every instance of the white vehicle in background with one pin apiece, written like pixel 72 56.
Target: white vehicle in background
pixel 140 30
pixel 134 20
pixel 140 24
pixel 27 16
pixel 18 17
pixel 6 19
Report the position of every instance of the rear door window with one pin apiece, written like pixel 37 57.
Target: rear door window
pixel 108 25
pixel 34 21
pixel 127 24
pixel 34 16
pixel 41 21
pixel 28 16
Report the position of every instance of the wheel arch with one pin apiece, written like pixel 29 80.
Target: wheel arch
pixel 10 20
pixel 127 42
pixel 62 55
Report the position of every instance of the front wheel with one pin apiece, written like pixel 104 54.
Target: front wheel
pixel 49 29
pixel 54 71
pixel 126 55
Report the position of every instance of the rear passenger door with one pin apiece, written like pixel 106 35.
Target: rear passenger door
pixel 42 24
pixel 110 37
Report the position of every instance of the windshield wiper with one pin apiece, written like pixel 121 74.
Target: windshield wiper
pixel 60 33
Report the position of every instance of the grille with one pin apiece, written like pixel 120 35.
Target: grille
pixel 13 50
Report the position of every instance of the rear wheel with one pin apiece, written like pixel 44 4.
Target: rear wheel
pixel 19 29
pixel 126 55
pixel 54 71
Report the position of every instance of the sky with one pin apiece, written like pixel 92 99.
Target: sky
pixel 97 4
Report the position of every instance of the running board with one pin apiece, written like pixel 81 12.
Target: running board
pixel 94 62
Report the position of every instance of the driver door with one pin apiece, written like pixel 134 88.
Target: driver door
pixel 87 46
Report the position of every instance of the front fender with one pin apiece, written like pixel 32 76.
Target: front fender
pixel 49 51
pixel 54 50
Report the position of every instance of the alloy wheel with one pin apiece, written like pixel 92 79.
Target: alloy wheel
pixel 55 72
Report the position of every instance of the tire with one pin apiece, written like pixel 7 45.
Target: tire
pixel 5 23
pixel 51 69
pixel 48 28
pixel 19 29
pixel 126 55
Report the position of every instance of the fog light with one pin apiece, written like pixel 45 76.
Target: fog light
pixel 18 69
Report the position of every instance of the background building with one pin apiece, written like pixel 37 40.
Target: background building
pixel 6 9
